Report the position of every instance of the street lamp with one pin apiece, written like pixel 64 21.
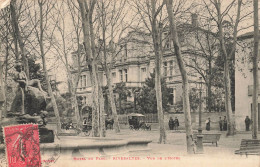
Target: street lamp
pixel 200 136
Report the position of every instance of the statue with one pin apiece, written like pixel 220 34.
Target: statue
pixel 23 81
pixel 29 105
pixel 30 98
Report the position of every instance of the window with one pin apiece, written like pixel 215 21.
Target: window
pixel 80 82
pixel 181 37
pixel 167 44
pixel 121 75
pixel 84 100
pixel 115 98
pixel 89 83
pixel 172 96
pixel 113 77
pixel 171 68
pixel 125 51
pixel 125 75
pixel 167 40
pixel 84 79
pixel 143 74
pixel 165 68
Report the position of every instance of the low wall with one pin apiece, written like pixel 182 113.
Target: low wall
pixel 88 147
pixel 214 117
pixel 152 119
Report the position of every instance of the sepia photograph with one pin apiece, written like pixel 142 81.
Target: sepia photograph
pixel 139 83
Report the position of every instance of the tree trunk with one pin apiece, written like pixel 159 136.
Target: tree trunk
pixel 88 41
pixel 209 87
pixel 101 113
pixel 158 60
pixel 6 74
pixel 230 119
pixel 2 86
pixel 255 72
pixel 186 102
pixel 75 106
pixel 19 37
pixel 107 68
pixel 4 83
pixel 53 101
pixel 73 96
pixel 99 92
pixel 119 102
pixel 112 101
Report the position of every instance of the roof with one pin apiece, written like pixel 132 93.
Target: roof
pixel 187 27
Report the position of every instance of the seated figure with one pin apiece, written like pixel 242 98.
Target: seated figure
pixel 23 81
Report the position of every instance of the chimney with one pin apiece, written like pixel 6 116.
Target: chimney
pixel 194 20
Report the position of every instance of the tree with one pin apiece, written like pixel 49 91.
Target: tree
pixel 36 72
pixel 123 93
pixel 185 83
pixel 223 46
pixel 194 101
pixel 150 13
pixel 63 46
pixel 17 34
pixel 111 20
pixel 146 96
pixel 158 62
pixel 87 9
pixel 255 71
pixel 204 50
pixel 154 20
pixel 40 29
pixel 4 35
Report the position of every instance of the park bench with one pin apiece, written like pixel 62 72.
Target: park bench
pixel 249 147
pixel 208 137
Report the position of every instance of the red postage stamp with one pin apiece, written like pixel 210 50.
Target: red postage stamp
pixel 22 145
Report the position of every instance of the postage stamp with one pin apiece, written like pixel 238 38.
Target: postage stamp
pixel 22 145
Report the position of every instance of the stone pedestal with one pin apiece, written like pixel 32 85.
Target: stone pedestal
pixel 199 144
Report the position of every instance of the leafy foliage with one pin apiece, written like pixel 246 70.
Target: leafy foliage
pixel 36 72
pixel 121 102
pixel 194 101
pixel 146 97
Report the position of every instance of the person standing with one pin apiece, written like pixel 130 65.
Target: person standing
pixel 176 123
pixel 225 124
pixel 247 122
pixel 171 123
pixel 208 124
pixel 220 124
pixel 85 121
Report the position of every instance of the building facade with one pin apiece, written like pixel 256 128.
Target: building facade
pixel 244 80
pixel 136 61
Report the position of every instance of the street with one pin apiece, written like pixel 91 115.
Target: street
pixel 174 152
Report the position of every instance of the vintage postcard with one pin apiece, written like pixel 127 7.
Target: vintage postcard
pixel 129 83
